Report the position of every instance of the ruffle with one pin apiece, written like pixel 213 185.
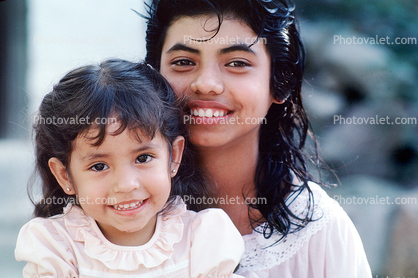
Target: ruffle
pixel 169 231
pixel 261 253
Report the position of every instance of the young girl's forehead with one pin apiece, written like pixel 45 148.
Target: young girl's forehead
pixel 136 133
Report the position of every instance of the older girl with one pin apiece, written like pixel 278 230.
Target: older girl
pixel 239 65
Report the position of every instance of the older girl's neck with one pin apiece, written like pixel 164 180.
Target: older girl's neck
pixel 232 169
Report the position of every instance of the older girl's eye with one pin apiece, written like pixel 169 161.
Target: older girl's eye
pixel 144 158
pixel 99 167
pixel 183 63
pixel 238 64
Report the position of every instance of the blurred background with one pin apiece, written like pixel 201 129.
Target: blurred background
pixel 361 65
pixel 40 41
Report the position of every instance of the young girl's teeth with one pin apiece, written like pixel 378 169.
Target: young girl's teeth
pixel 128 206
pixel 216 114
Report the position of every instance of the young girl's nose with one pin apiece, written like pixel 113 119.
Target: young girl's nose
pixel 126 180
pixel 208 80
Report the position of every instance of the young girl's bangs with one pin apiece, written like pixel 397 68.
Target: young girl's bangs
pixel 143 117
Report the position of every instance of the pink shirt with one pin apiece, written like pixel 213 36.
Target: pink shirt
pixel 185 244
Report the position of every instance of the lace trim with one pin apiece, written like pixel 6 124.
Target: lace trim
pixel 169 230
pixel 261 253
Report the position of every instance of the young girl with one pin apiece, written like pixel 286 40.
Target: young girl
pixel 239 66
pixel 108 143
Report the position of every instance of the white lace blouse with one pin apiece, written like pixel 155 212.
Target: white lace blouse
pixel 329 247
pixel 185 244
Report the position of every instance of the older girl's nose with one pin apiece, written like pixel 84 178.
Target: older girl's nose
pixel 208 80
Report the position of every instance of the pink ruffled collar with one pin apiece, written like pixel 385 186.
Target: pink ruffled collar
pixel 168 231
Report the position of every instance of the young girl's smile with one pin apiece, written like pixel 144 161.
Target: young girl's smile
pixel 224 78
pixel 123 183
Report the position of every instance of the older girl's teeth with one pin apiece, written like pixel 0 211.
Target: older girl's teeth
pixel 201 113
pixel 208 113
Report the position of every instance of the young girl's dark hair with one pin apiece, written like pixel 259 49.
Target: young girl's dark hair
pixel 283 138
pixel 134 94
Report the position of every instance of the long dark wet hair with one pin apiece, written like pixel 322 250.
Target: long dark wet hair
pixel 133 93
pixel 282 165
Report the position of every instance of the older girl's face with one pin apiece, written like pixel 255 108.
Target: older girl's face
pixel 225 79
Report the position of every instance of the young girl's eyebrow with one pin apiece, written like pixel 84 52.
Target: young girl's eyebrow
pixel 183 47
pixel 146 147
pixel 93 156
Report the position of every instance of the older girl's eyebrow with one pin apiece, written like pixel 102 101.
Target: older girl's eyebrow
pixel 237 47
pixel 183 47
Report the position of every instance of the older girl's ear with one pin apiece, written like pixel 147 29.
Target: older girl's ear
pixel 278 101
pixel 61 175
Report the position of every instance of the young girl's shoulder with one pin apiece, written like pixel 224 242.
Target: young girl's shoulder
pixel 215 244
pixel 211 220
pixel 53 226
pixel 52 230
pixel 46 242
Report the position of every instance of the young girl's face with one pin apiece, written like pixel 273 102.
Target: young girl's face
pixel 123 183
pixel 223 78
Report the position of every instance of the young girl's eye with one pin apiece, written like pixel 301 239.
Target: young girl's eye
pixel 99 167
pixel 144 158
pixel 238 64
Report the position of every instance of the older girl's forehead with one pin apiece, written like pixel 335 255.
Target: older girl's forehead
pixel 186 35
pixel 192 29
